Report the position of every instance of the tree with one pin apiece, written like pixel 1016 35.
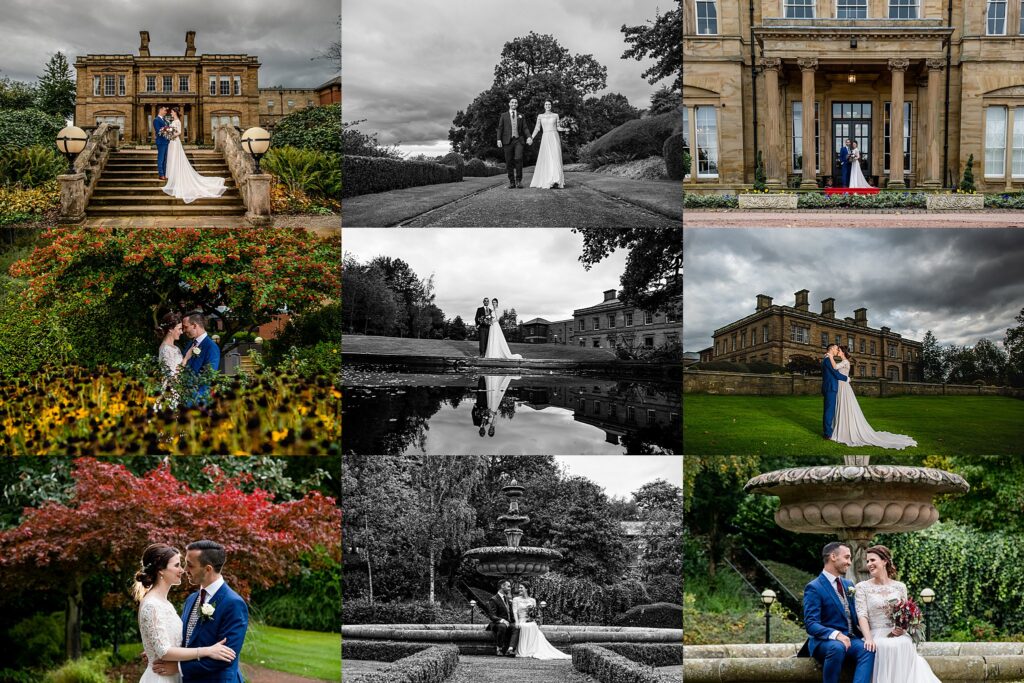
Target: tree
pixel 990 361
pixel 651 281
pixel 1013 342
pixel 663 101
pixel 333 51
pixel 933 362
pixel 16 95
pixel 659 40
pixel 602 114
pixel 56 89
pixel 413 294
pixel 997 491
pixel 710 497
pixel 367 303
pixel 318 128
pixel 509 323
pixel 525 58
pixel 660 506
pixel 457 329
pixel 113 515
pixel 658 495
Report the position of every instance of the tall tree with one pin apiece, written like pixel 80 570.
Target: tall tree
pixel 1013 342
pixel 660 40
pixel 710 498
pixel 933 363
pixel 56 89
pixel 457 329
pixel 414 294
pixel 602 114
pixel 990 361
pixel 663 100
pixel 652 281
pixel 16 95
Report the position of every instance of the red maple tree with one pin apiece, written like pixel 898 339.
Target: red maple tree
pixel 113 515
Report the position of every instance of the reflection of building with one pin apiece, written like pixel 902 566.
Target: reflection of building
pixel 276 103
pixel 780 334
pixel 612 323
pixel 541 331
pixel 831 69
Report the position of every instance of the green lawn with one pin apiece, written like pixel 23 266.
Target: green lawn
pixel 791 425
pixel 303 653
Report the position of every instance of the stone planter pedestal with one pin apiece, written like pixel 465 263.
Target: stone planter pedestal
pixel 768 201
pixel 955 202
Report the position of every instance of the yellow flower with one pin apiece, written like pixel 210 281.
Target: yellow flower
pixel 335 393
pixel 278 435
pixel 81 414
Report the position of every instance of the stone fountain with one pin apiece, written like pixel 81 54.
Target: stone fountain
pixel 513 561
pixel 857 500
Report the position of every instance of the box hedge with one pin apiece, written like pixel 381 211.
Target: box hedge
pixel 425 665
pixel 638 139
pixel 366 175
pixel 609 667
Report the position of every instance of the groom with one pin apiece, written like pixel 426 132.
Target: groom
pixel 212 614
pixel 482 325
pixel 830 379
pixel 512 136
pixel 161 142
pixel 503 621
pixel 830 617
pixel 203 352
pixel 844 162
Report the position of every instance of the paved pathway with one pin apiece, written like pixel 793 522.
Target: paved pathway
pixel 257 674
pixel 848 219
pixel 486 669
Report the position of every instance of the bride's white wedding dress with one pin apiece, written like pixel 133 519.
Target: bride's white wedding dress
pixel 857 178
pixel 896 659
pixel 170 358
pixel 182 180
pixel 532 642
pixel 851 428
pixel 497 347
pixel 160 627
pixel 548 170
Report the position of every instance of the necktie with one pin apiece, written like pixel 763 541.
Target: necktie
pixel 839 587
pixel 193 618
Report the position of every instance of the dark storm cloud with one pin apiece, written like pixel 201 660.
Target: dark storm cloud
pixel 284 35
pixel 963 285
pixel 409 66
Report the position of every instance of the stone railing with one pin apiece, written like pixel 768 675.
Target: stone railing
pixel 76 188
pixel 254 188
pixel 754 384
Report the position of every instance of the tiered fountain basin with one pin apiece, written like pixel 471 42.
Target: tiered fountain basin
pixel 505 561
pixel 777 663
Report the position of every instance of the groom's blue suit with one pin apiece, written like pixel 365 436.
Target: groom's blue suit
pixel 844 166
pixel 230 620
pixel 830 379
pixel 823 615
pixel 209 354
pixel 161 146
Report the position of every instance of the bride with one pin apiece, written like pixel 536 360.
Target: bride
pixel 497 347
pixel 171 360
pixel 857 178
pixel 532 642
pixel 896 658
pixel 159 622
pixel 548 171
pixel 849 425
pixel 182 180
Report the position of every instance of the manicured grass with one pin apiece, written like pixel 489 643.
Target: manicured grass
pixel 791 425
pixel 303 653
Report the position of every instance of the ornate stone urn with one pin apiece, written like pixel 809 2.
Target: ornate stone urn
pixel 857 500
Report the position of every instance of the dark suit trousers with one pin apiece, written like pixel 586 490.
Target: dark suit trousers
pixel 506 636
pixel 484 330
pixel 514 150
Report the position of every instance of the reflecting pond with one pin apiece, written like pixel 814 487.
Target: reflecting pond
pixel 509 415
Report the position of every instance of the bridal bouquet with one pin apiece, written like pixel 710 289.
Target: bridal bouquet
pixel 905 614
pixel 531 613
pixel 489 319
pixel 168 132
pixel 567 124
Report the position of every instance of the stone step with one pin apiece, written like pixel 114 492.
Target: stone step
pixel 144 157
pixel 179 209
pixel 133 174
pixel 145 167
pixel 159 198
pixel 141 187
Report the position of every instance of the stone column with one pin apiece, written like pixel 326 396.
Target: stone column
pixel 933 174
pixel 1010 113
pixel 257 200
pixel 898 67
pixel 808 66
pixel 772 153
pixel 72 198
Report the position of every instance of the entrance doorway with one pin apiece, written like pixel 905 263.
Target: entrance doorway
pixel 851 120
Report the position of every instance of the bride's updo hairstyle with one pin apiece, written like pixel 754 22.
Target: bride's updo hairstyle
pixel 167 323
pixel 885 555
pixel 154 559
pixel 846 352
pixel 525 587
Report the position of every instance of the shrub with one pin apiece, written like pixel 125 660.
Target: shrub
pixel 19 204
pixel 86 670
pixel 380 650
pixel 665 588
pixel 315 173
pixel 312 128
pixel 410 612
pixel 28 127
pixel 453 159
pixel 687 163
pixel 40 640
pixel 651 654
pixel 759 175
pixel 967 184
pixel 658 615
pixel 882 200
pixel 638 138
pixel 31 166
pixel 432 665
pixel 609 667
pixel 1014 200
pixel 710 201
pixel 366 175
pixel 575 600
pixel 672 151
pixel 309 602
pixel 478 168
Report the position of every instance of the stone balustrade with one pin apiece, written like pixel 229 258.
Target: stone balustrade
pixel 76 188
pixel 254 188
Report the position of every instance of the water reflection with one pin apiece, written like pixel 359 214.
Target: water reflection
pixel 513 415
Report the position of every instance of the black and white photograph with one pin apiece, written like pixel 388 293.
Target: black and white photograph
pixel 555 114
pixel 518 341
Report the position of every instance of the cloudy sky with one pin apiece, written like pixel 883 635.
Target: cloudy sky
pixel 534 270
pixel 284 35
pixel 963 285
pixel 409 66
pixel 622 475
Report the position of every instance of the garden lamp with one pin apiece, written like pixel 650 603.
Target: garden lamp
pixel 767 597
pixel 71 141
pixel 927 598
pixel 256 141
pixel 472 609
pixel 540 613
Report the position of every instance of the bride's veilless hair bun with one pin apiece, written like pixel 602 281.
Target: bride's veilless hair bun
pixel 155 558
pixel 167 323
pixel 885 555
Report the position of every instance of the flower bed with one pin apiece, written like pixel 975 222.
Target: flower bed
pixel 1013 200
pixel 851 190
pixel 882 200
pixel 19 205
pixel 709 201
pixel 428 665
pixel 609 667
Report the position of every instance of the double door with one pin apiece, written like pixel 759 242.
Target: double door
pixel 851 120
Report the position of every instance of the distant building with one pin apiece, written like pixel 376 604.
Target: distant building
pixel 541 331
pixel 613 323
pixel 276 103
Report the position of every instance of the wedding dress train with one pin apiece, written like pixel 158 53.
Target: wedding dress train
pixel 896 659
pixel 160 627
pixel 548 170
pixel 851 428
pixel 182 180
pixel 497 347
pixel 532 642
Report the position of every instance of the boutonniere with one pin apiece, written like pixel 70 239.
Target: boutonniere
pixel 196 350
pixel 207 611
pixel 851 591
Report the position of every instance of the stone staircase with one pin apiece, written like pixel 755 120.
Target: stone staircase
pixel 129 186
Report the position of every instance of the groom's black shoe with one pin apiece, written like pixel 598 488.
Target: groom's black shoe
pixel 511 185
pixel 519 185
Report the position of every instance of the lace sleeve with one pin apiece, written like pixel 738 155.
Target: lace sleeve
pixel 861 598
pixel 902 588
pixel 154 638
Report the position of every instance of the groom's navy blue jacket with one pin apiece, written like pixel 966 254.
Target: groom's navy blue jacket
pixel 823 612
pixel 209 354
pixel 230 620
pixel 830 379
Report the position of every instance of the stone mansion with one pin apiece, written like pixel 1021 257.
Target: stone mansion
pixel 779 334
pixel 209 90
pixel 795 78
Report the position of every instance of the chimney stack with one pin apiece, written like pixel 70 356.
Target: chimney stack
pixel 609 294
pixel 143 43
pixel 801 301
pixel 763 301
pixel 190 44
pixel 861 317
pixel 828 307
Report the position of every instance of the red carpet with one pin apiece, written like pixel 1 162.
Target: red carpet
pixel 851 190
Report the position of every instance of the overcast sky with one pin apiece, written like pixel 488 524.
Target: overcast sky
pixel 963 285
pixel 621 475
pixel 534 270
pixel 409 66
pixel 284 35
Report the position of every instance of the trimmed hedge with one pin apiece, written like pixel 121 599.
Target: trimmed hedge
pixel 609 667
pixel 431 665
pixel 658 615
pixel 673 154
pixel 478 168
pixel 651 654
pixel 638 138
pixel 359 611
pixel 380 650
pixel 366 175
